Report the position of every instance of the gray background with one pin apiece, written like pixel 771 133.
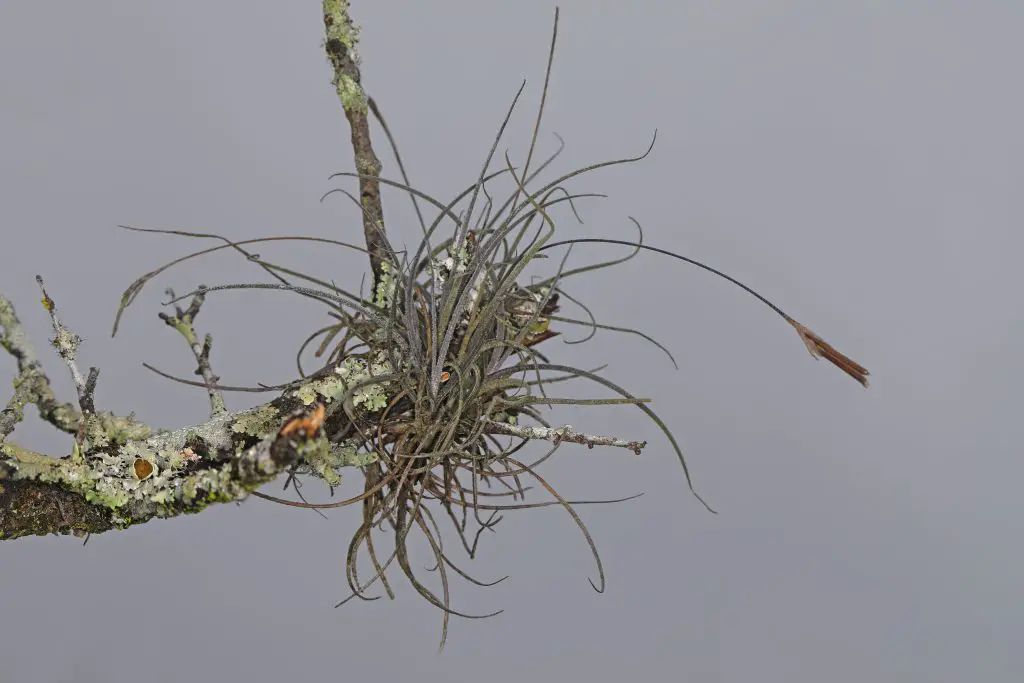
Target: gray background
pixel 855 161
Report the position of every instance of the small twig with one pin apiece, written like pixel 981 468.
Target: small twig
pixel 32 385
pixel 11 415
pixel 560 434
pixel 16 342
pixel 66 342
pixel 182 322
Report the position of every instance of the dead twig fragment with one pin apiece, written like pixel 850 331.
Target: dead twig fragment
pixel 559 434
pixel 66 343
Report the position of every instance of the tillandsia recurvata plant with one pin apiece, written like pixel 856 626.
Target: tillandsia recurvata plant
pixel 429 385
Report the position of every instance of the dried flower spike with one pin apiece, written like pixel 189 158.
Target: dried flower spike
pixel 820 348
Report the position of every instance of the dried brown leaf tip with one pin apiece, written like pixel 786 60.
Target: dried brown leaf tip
pixel 820 348
pixel 304 424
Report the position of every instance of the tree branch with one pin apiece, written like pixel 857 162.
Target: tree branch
pixel 182 322
pixel 340 45
pixel 122 472
pixel 31 385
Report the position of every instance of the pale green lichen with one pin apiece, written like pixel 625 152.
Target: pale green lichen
pixel 350 456
pixel 214 485
pixel 350 372
pixel 326 461
pixel 322 461
pixel 177 459
pixel 340 26
pixel 107 496
pixel 462 258
pixel 351 94
pixel 367 166
pixel 257 422
pixel 385 291
pixel 373 397
pixel 355 370
pixel 115 480
pixel 36 466
pixel 105 429
pixel 329 388
pixel 66 342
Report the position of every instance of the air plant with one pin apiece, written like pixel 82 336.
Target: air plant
pixel 454 379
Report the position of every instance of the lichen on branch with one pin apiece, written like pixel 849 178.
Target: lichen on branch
pixel 120 472
pixel 342 36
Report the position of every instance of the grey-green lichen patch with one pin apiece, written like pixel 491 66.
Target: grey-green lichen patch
pixel 66 342
pixel 12 335
pixel 340 26
pixel 39 467
pixel 342 36
pixel 257 422
pixel 211 486
pixel 106 429
pixel 115 477
pixel 373 397
pixel 462 258
pixel 385 291
pixel 326 460
pixel 215 434
pixel 321 460
pixel 328 387
pixel 351 456
pixel 352 371
pixel 356 370
pixel 367 166
pixel 350 93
